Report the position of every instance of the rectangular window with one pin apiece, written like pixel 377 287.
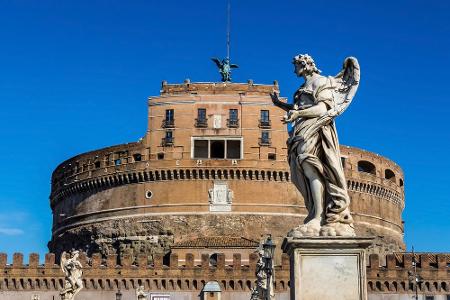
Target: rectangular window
pixel 233 114
pixel 216 149
pixel 201 120
pixel 265 138
pixel 264 121
pixel 169 114
pixel 264 116
pixel 200 149
pixel 201 114
pixel 167 140
pixel 233 149
pixel 429 297
pixel 169 121
pixel 233 120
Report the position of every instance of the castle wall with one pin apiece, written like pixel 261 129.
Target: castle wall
pixel 180 278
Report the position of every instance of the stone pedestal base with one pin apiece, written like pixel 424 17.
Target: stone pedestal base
pixel 327 268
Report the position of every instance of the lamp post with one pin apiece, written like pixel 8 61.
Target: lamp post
pixel 269 249
pixel 118 295
pixel 413 276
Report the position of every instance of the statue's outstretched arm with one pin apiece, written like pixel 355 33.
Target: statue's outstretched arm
pixel 276 101
pixel 312 112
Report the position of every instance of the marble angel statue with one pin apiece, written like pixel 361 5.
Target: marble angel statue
pixel 72 269
pixel 313 146
pixel 140 293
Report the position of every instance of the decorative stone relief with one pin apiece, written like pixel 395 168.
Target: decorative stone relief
pixel 220 197
pixel 217 124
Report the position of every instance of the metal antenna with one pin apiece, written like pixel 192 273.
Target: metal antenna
pixel 228 28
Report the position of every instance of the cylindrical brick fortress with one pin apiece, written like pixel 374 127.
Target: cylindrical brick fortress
pixel 212 163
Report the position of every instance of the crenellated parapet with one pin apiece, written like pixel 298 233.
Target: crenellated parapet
pixel 185 274
pixel 110 273
pixel 395 276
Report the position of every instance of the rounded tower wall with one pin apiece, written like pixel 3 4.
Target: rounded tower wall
pixel 215 173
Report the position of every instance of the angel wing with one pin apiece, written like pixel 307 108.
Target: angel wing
pixel 344 85
pixel 63 261
pixel 217 61
pixel 234 66
pixel 347 83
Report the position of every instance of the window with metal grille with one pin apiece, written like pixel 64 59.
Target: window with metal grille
pixel 233 120
pixel 169 121
pixel 265 138
pixel 201 120
pixel 264 120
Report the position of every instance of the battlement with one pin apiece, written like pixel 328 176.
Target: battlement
pixel 212 88
pixel 396 275
pixel 141 262
pixel 110 273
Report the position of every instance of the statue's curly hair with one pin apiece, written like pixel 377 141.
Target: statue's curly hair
pixel 307 61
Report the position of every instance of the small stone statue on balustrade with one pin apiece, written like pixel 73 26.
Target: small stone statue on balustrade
pixel 260 290
pixel 72 269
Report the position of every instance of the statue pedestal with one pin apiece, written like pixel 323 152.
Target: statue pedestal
pixel 327 267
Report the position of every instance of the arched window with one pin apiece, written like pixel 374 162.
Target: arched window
pixel 400 182
pixel 366 167
pixel 389 174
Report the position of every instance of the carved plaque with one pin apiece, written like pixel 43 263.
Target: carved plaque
pixel 220 197
pixel 217 122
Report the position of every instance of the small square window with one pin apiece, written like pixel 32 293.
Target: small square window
pixel 160 155
pixel 271 156
pixel 233 149
pixel 118 162
pixel 217 149
pixel 200 149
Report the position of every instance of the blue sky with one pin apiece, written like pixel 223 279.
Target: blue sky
pixel 75 75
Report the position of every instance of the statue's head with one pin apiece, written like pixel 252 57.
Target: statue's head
pixel 304 64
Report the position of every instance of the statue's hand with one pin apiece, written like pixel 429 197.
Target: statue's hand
pixel 274 97
pixel 291 116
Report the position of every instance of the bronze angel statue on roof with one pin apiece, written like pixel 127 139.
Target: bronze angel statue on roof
pixel 225 68
pixel 313 146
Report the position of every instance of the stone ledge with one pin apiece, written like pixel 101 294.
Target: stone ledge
pixel 323 242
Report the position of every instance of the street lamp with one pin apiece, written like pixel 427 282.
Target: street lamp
pixel 118 295
pixel 413 277
pixel 268 249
